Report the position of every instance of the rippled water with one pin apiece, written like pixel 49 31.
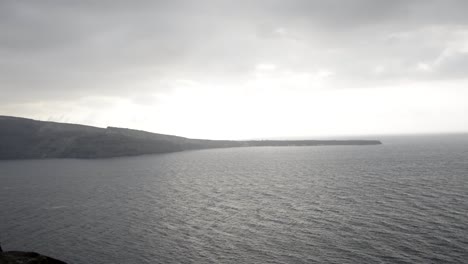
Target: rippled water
pixel 403 202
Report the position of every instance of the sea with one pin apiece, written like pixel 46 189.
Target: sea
pixel 405 201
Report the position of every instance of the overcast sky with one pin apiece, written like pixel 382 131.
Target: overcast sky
pixel 239 69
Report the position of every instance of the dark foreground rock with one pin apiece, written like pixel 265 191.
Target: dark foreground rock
pixel 20 257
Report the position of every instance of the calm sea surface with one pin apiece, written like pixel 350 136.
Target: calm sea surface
pixel 402 202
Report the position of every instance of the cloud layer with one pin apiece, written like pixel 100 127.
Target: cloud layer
pixel 143 52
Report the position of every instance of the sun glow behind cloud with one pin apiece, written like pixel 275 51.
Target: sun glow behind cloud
pixel 273 104
pixel 259 112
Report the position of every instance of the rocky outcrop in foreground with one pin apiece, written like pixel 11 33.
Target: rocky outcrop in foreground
pixel 20 257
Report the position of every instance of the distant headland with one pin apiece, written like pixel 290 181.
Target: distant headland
pixel 22 138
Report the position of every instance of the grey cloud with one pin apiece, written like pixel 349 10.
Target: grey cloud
pixel 453 65
pixel 357 13
pixel 57 49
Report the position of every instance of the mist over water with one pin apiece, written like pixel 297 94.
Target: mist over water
pixel 401 202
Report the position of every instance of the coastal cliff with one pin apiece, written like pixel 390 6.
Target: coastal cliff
pixel 22 138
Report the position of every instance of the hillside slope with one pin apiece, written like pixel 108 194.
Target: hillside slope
pixel 22 138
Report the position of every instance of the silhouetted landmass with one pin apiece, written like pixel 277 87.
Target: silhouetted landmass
pixel 22 138
pixel 20 257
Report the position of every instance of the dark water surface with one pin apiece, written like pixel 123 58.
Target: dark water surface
pixel 402 202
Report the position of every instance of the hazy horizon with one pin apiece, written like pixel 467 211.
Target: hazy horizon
pixel 244 70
